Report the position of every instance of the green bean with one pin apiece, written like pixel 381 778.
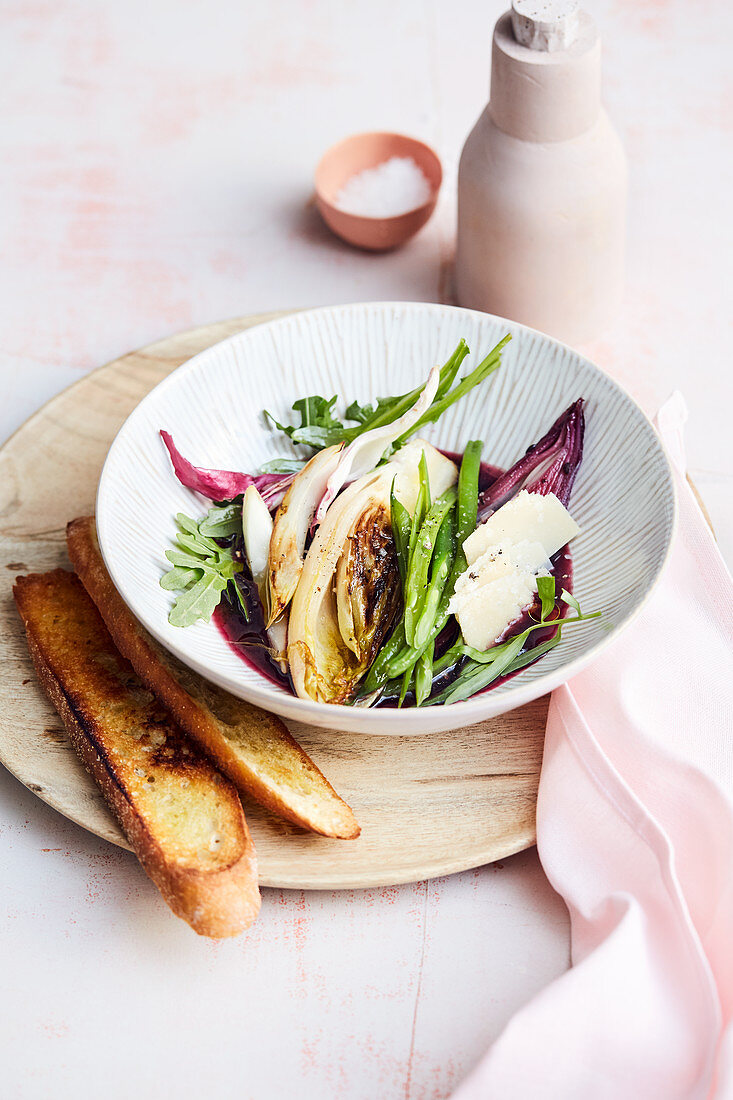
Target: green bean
pixel 422 505
pixel 424 675
pixel 377 674
pixel 406 533
pixel 401 534
pixel 449 658
pixel 467 509
pixel 404 659
pixel 420 557
pixel 443 557
pixel 434 613
pixel 391 689
pixel 405 687
pixel 408 653
pixel 430 563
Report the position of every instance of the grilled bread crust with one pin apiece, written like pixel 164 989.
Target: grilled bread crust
pixel 183 820
pixel 247 744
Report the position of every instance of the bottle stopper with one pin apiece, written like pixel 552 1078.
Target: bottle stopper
pixel 546 25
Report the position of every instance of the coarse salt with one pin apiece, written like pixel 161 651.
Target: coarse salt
pixel 394 187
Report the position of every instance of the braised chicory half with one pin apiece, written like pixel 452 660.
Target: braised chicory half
pixel 371 568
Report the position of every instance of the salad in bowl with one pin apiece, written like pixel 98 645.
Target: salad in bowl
pixel 381 570
pixel 348 518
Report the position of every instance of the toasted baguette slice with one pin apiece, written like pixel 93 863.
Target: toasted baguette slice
pixel 249 745
pixel 183 820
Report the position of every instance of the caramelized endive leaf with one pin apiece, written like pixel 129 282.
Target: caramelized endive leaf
pixel 293 519
pixel 324 666
pixel 321 664
pixel 363 454
pixel 368 584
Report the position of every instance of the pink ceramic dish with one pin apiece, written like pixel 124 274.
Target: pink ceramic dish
pixel 354 154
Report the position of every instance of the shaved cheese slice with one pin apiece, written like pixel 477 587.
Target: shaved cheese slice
pixel 487 605
pixel 526 555
pixel 505 555
pixel 526 516
pixel 442 473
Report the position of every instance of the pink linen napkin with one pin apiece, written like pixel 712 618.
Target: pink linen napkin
pixel 635 831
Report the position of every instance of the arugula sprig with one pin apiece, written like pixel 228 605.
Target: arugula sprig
pixel 222 521
pixel 282 466
pixel 319 427
pixel 201 568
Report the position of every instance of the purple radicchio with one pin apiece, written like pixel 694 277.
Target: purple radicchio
pixel 220 485
pixel 548 466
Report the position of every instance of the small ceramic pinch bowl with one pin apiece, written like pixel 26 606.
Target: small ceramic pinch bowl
pixel 357 153
pixel 623 497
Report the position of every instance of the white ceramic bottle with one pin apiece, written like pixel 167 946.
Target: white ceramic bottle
pixel 542 180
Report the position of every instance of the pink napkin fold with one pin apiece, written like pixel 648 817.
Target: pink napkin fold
pixel 635 831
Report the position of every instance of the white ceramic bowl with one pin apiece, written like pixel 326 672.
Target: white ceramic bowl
pixel 623 497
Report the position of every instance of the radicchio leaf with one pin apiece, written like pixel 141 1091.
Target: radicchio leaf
pixel 221 485
pixel 215 484
pixel 554 461
pixel 273 487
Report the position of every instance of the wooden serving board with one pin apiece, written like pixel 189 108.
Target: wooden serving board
pixel 427 805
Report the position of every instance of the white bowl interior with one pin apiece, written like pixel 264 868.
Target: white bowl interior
pixel 623 497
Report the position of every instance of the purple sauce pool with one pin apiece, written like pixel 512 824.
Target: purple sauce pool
pixel 244 638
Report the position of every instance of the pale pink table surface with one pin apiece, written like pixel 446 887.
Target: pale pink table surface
pixel 157 160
